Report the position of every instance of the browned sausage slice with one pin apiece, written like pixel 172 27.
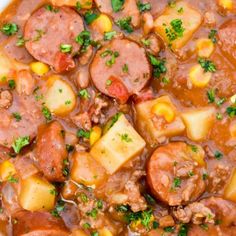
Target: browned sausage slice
pixel 47 30
pixel 38 224
pixel 51 151
pixel 120 69
pixel 227 39
pixel 173 175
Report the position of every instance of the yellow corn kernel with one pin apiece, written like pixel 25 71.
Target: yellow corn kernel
pixel 105 232
pixel 39 68
pixel 233 99
pixel 6 169
pixel 95 135
pixel 205 47
pixel 165 110
pixel 199 77
pixel 102 24
pixel 226 4
pixel 85 4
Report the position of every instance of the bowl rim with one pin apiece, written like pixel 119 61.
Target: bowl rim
pixel 4 4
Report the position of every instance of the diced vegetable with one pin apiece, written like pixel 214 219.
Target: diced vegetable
pixel 205 47
pixel 177 29
pixel 226 4
pixel 36 194
pixel 120 144
pixel 198 77
pixel 230 190
pixel 6 169
pixel 79 232
pixel 102 24
pixel 39 68
pixel 198 122
pixel 60 98
pixel 95 135
pixel 105 232
pixel 86 170
pixel 146 120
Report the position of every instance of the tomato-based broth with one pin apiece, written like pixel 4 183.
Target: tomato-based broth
pixel 118 118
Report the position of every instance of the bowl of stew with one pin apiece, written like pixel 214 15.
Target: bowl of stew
pixel 117 118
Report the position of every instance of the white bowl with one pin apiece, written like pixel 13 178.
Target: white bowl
pixel 3 4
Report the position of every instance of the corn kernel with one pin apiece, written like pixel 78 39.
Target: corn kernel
pixel 102 24
pixel 105 232
pixel 205 47
pixel 226 4
pixel 199 77
pixel 95 135
pixel 6 169
pixel 165 110
pixel 233 99
pixel 85 4
pixel 39 68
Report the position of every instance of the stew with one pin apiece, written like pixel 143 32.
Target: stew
pixel 118 118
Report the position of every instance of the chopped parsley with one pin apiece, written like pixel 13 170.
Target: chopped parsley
pixel 53 192
pixel 158 66
pixel 11 84
pixel 51 8
pixel 12 179
pixel 17 116
pixel 117 5
pixel 20 41
pixel 144 6
pixel 155 225
pixel 150 200
pixel 108 82
pixel 109 35
pixel 90 16
pixel 95 233
pixel 83 134
pixel 99 204
pixel 194 148
pixel 67 102
pixel 19 143
pixel 86 225
pixel 83 197
pixel 83 93
pixel 218 155
pixel 46 113
pixel 175 30
pixel 126 138
pixel 146 42
pixel 78 6
pixel 205 176
pixel 211 95
pixel 93 213
pixel 212 35
pixel 231 111
pixel 169 229
pixel 66 48
pixel 60 206
pixel 176 182
pixel 190 173
pixel 219 116
pixel 207 65
pixel 220 101
pixel 69 148
pixel 183 230
pixel 125 24
pixel 122 208
pixel 172 3
pixel 114 119
pixel 204 226
pixel 113 55
pixel 180 10
pixel 39 35
pixel 84 39
pixel 125 68
pixel 9 29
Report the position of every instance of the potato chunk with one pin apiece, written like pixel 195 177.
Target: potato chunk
pixel 147 122
pixel 191 20
pixel 198 122
pixel 36 194
pixel 60 98
pixel 86 170
pixel 118 145
pixel 230 190
pixel 7 169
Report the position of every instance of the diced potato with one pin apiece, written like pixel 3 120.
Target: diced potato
pixel 120 144
pixel 85 170
pixel 84 4
pixel 197 154
pixel 6 169
pixel 198 122
pixel 36 194
pixel 95 135
pixel 230 190
pixel 39 68
pixel 198 77
pixel 233 99
pixel 60 98
pixel 226 4
pixel 102 24
pixel 146 123
pixel 105 232
pixel 79 232
pixel 191 21
pixel 165 110
pixel 205 47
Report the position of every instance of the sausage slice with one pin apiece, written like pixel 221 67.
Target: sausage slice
pixel 227 39
pixel 38 223
pixel 51 151
pixel 120 69
pixel 47 30
pixel 173 175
